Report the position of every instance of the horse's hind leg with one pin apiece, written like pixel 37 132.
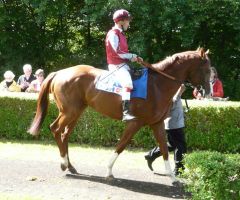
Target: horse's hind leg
pixel 64 137
pixel 130 130
pixel 61 129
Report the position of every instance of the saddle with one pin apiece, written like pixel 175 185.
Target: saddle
pixel 136 73
pixel 108 82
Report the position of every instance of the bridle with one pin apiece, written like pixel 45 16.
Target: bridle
pixel 186 83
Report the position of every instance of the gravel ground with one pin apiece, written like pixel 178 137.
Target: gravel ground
pixel 32 171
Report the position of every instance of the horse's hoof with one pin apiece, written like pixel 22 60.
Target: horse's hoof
pixel 63 167
pixel 72 170
pixel 177 183
pixel 109 178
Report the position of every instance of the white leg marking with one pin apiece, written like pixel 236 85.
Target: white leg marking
pixel 111 163
pixel 64 160
pixel 169 171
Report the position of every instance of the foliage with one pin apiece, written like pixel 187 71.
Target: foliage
pixel 212 175
pixel 207 127
pixel 93 128
pixel 56 34
pixel 214 128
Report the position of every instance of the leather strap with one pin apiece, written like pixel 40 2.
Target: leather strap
pixel 148 65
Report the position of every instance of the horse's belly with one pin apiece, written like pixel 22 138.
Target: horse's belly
pixel 107 104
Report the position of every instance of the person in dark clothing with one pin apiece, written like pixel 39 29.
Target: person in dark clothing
pixel 174 126
pixel 25 79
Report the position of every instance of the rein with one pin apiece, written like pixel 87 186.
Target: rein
pixel 187 84
pixel 148 65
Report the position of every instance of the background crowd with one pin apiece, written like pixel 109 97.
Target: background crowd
pixel 27 82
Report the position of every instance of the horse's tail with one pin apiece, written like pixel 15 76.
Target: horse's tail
pixel 42 105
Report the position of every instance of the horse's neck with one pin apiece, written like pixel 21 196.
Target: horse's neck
pixel 167 87
pixel 178 71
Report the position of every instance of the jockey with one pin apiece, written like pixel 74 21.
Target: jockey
pixel 118 56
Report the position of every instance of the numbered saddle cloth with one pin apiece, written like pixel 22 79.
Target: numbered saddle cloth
pixel 108 81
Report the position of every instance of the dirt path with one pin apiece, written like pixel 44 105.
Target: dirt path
pixel 20 163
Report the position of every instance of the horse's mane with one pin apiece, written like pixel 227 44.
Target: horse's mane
pixel 162 65
pixel 170 60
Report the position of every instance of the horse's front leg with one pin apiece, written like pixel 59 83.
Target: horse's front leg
pixel 131 128
pixel 159 134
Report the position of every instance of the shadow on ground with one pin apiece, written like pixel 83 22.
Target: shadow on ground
pixel 150 188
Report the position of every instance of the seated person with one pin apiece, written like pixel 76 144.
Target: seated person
pixel 9 84
pixel 25 79
pixel 215 86
pixel 36 84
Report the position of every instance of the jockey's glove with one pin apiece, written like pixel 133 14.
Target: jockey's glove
pixel 134 58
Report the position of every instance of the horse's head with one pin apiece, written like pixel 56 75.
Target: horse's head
pixel 198 72
pixel 191 66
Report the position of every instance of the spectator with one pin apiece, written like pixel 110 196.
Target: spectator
pixel 36 84
pixel 215 86
pixel 174 126
pixel 199 93
pixel 25 79
pixel 9 84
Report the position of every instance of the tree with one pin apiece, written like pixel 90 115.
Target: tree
pixel 57 34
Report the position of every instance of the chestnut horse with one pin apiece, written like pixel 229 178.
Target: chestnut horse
pixel 74 89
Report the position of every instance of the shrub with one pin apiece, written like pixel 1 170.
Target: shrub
pixel 207 126
pixel 212 175
pixel 214 128
pixel 16 115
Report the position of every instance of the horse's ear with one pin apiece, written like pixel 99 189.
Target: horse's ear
pixel 198 49
pixel 207 52
pixel 202 53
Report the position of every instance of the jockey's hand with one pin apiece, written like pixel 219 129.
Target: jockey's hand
pixel 134 58
pixel 139 60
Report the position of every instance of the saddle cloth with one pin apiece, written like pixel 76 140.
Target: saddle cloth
pixel 108 81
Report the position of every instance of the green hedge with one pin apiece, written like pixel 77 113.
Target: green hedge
pixel 17 112
pixel 214 126
pixel 209 125
pixel 212 175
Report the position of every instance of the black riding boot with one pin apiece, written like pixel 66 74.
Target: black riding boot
pixel 126 113
pixel 152 155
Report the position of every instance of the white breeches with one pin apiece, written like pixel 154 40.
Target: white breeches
pixel 124 78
